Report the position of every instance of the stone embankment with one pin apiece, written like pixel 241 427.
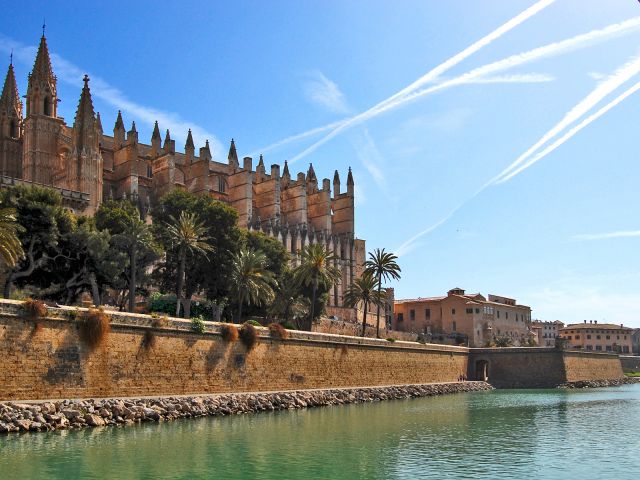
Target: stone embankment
pixel 65 414
pixel 616 382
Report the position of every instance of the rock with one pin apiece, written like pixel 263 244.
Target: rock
pixel 23 425
pixel 71 414
pixel 94 420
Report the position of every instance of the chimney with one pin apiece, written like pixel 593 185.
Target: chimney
pixel 595 321
pixel 590 321
pixel 585 321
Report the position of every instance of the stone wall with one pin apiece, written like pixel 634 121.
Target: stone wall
pixel 45 359
pixel 630 363
pixel 541 367
pixel 354 329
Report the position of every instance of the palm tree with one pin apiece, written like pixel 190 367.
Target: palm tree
pixel 251 281
pixel 189 236
pixel 382 265
pixel 10 245
pixel 289 302
pixel 136 236
pixel 315 269
pixel 363 290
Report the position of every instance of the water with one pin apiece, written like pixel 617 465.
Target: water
pixel 548 434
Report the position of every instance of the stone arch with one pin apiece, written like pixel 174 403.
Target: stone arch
pixel 481 369
pixel 13 129
pixel 46 106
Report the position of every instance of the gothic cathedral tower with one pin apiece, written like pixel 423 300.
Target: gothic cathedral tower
pixel 41 125
pixel 10 127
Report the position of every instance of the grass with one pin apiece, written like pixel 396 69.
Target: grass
pixel 249 336
pixel 229 333
pixel 34 308
pixel 632 374
pixel 94 327
pixel 278 331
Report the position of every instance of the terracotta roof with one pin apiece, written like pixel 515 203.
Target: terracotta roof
pixel 592 326
pixel 419 299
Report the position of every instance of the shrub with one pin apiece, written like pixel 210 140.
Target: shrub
pixel 34 308
pixel 249 335
pixel 391 339
pixel 149 339
pixel 94 327
pixel 160 321
pixel 255 323
pixel 229 333
pixel 278 331
pixel 197 325
pixel 289 326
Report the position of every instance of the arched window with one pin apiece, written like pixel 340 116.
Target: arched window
pixel 13 130
pixel 47 106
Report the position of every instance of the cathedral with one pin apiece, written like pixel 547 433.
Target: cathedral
pixel 88 166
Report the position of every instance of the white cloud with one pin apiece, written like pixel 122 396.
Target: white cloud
pixel 325 93
pixel 72 74
pixel 516 78
pixel 369 155
pixel 596 75
pixel 607 236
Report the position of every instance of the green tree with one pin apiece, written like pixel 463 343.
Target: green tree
pixel 251 281
pixel 131 234
pixel 316 270
pixel 210 274
pixel 363 290
pixel 289 302
pixel 10 246
pixel 190 238
pixel 39 212
pixel 383 266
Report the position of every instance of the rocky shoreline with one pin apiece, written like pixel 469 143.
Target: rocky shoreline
pixel 75 414
pixel 600 383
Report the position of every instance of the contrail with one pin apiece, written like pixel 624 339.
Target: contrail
pixel 407 245
pixel 432 74
pixel 571 133
pixel 552 49
pixel 607 236
pixel 604 88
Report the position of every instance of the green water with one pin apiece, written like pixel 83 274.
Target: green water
pixel 549 434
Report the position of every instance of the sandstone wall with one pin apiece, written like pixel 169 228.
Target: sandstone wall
pixel 541 367
pixel 50 361
pixel 591 366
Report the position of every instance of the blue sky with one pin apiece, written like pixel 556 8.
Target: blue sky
pixel 432 173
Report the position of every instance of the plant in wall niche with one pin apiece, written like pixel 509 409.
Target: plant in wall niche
pixel 278 331
pixel 159 321
pixel 197 325
pixel 391 339
pixel 229 333
pixel 255 323
pixel 94 327
pixel 34 308
pixel 249 336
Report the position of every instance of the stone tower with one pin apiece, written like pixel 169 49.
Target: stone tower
pixel 83 165
pixel 10 127
pixel 41 125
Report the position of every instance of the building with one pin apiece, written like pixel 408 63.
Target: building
pixel 599 337
pixel 546 332
pixel 636 341
pixel 89 166
pixel 472 318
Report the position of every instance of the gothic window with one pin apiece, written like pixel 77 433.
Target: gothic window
pixel 149 171
pixel 221 184
pixel 13 131
pixel 47 106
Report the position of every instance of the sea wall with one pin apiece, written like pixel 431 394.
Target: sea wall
pixel 46 359
pixel 630 363
pixel 540 367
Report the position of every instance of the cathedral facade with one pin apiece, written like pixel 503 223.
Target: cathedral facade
pixel 89 166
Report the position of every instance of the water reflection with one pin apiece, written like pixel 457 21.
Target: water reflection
pixel 502 434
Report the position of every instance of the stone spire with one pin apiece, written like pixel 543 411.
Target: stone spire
pixel 189 143
pixel 260 167
pixel 233 155
pixel 132 135
pixel 311 174
pixel 85 115
pixel 189 148
pixel 336 184
pixel 205 152
pixel 42 97
pixel 285 171
pixel 350 182
pixel 99 122
pixel 10 103
pixel 118 131
pixel 169 145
